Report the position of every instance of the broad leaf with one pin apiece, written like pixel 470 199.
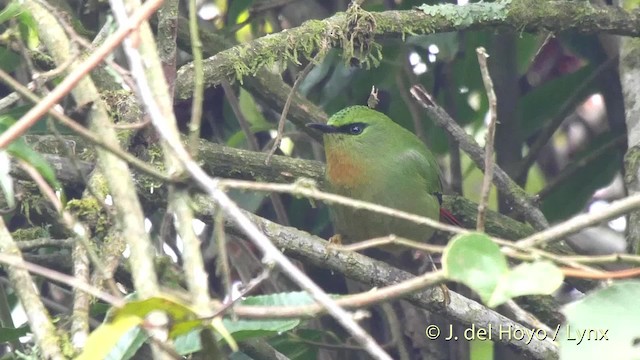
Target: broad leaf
pixel 603 325
pixel 476 261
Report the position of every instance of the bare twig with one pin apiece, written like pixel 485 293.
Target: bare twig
pixel 491 132
pixel 25 289
pixel 285 109
pixel 526 317
pixel 70 222
pixel 550 128
pixel 83 132
pixel 276 200
pixel 222 266
pixel 44 242
pixel 41 108
pixel 582 221
pixel 360 300
pixel 366 270
pixel 502 181
pixel 198 83
pixel 16 261
pixel 254 283
pixel 574 166
pixel 234 103
pixel 388 240
pixel 308 190
pixel 271 253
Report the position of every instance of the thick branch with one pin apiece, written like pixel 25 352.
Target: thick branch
pixel 376 273
pixel 519 15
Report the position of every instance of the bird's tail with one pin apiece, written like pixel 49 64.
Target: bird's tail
pixel 448 217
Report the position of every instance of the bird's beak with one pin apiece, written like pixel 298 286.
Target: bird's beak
pixel 327 129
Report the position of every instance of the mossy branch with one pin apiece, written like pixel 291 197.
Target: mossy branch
pixel 356 31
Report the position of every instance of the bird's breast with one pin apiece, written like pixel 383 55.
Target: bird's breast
pixel 343 171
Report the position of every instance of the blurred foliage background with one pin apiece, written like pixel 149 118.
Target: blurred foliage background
pixel 561 131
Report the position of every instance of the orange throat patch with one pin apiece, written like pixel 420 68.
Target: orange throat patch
pixel 344 171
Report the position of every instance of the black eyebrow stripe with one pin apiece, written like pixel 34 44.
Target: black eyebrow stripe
pixel 344 129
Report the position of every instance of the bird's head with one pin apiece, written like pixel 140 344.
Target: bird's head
pixel 357 129
pixel 354 139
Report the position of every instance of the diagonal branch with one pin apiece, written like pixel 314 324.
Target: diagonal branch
pixel 505 184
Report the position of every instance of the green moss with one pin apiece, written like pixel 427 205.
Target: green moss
pixel 631 165
pixel 30 233
pixel 311 42
pixel 32 200
pixel 124 109
pixel 89 211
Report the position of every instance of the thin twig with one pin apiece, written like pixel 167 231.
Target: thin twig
pixel 526 317
pixel 271 253
pixel 25 245
pixel 550 128
pixel 574 166
pixel 234 103
pixel 42 107
pixel 198 80
pixel 285 109
pixel 145 73
pixel 223 269
pixel 502 181
pixel 491 132
pixel 16 261
pixel 70 222
pixel 83 132
pixel 276 200
pixel 582 221
pixel 252 285
pixel 308 190
pixel 388 240
pixel 46 337
pixel 360 300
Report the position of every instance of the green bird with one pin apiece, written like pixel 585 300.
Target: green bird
pixel 371 158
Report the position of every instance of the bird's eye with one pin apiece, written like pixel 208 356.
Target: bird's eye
pixel 355 129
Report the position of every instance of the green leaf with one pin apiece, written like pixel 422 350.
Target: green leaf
pixel 188 343
pixel 29 30
pixel 9 60
pixel 235 8
pixel 570 196
pixel 102 340
pixel 540 277
pixel 476 261
pixel 528 45
pixel 244 329
pixel 21 150
pixel 250 111
pixel 10 11
pixel 552 94
pixel 128 345
pixel 299 346
pixel 11 334
pixel 612 311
